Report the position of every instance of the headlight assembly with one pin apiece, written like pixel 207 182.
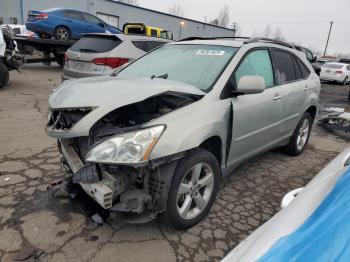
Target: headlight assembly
pixel 129 148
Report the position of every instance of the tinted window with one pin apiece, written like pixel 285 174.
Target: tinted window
pixel 309 55
pixel 1 20
pixel 283 65
pixel 348 68
pixel 196 65
pixel 92 44
pixel 298 73
pixel 147 45
pixel 92 19
pixel 154 32
pixel 256 63
pixel 304 70
pixel 74 15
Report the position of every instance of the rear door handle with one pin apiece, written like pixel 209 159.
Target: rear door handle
pixel 277 97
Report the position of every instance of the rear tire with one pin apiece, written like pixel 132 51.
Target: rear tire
pixel 345 81
pixel 198 176
pixel 300 137
pixel 62 33
pixel 4 75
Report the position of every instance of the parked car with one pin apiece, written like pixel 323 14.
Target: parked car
pixel 338 72
pixel 313 224
pixel 156 137
pixel 66 24
pixel 101 54
pixel 142 29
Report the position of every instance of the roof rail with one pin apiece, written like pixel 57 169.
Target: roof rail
pixel 269 40
pixel 248 40
pixel 212 38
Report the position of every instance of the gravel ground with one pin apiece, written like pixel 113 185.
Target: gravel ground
pixel 51 226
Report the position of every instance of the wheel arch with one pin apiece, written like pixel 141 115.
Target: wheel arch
pixel 312 110
pixel 213 145
pixel 65 26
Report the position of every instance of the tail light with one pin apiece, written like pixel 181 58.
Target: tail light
pixel 338 72
pixel 112 62
pixel 66 58
pixel 41 16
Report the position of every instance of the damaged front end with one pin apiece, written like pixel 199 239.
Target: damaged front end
pixel 112 164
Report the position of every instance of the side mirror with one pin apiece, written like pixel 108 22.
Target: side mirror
pixel 314 59
pixel 251 85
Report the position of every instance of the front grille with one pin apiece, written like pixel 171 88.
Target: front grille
pixel 65 119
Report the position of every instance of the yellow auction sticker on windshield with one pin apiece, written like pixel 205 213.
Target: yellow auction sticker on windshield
pixel 210 52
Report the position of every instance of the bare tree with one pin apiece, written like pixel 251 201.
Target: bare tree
pixel 130 2
pixel 214 22
pixel 278 35
pixel 224 16
pixel 267 31
pixel 176 9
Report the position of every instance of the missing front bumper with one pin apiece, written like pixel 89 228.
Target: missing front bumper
pixel 101 193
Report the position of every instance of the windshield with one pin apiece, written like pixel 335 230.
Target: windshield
pixel 197 65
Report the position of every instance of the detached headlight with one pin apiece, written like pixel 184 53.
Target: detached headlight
pixel 128 148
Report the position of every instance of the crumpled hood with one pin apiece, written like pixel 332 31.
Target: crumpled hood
pixel 106 94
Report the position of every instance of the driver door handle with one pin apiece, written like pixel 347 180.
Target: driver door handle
pixel 306 88
pixel 277 97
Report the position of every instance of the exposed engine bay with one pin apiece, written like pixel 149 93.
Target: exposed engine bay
pixel 122 188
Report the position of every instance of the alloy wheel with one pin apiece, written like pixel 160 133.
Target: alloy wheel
pixel 62 34
pixel 195 191
pixel 303 134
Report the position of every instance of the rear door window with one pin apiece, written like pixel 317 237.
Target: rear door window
pixel 283 66
pixel 256 63
pixel 298 72
pixel 304 70
pixel 74 15
pixel 92 44
pixel 147 46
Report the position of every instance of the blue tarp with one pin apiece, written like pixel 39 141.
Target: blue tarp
pixel 324 236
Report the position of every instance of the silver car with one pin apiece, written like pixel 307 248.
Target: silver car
pixel 157 137
pixel 102 54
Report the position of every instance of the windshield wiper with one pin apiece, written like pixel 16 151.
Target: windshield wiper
pixel 165 76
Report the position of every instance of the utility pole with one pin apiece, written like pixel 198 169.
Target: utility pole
pixel 329 34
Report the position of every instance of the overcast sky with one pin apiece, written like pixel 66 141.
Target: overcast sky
pixel 302 21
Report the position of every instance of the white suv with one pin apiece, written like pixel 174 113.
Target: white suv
pixel 102 54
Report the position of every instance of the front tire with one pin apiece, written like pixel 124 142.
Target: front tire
pixel 300 137
pixel 193 189
pixel 4 75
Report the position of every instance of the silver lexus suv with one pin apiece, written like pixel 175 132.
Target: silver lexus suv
pixel 157 137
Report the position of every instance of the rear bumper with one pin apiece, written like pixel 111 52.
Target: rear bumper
pixel 40 27
pixel 328 77
pixel 69 75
